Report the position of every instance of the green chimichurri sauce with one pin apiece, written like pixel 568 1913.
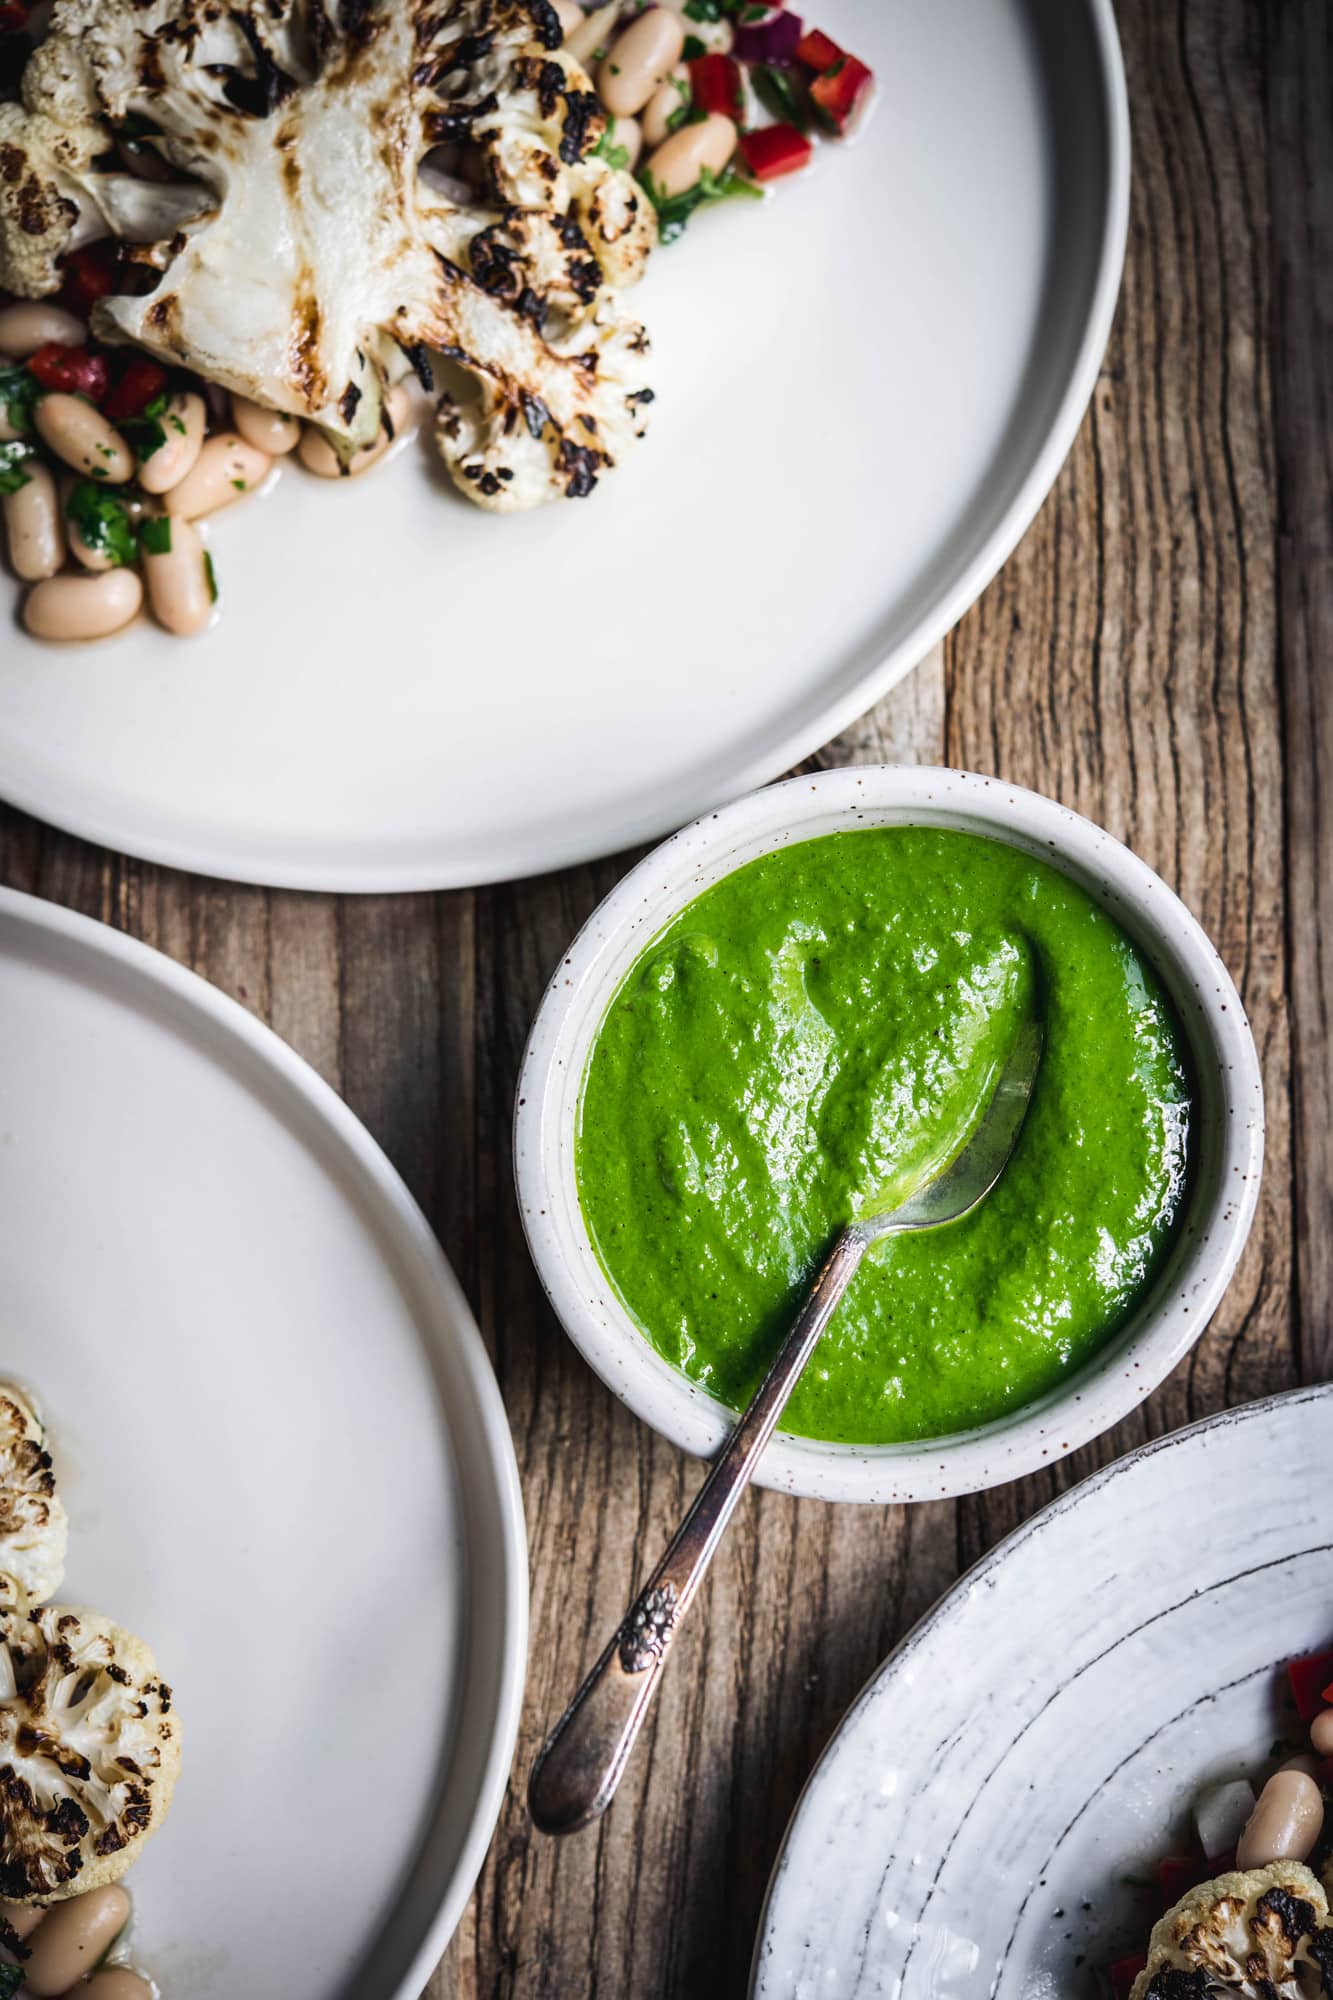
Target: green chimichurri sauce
pixel 808 1038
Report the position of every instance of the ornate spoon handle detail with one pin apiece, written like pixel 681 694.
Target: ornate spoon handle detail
pixel 576 1775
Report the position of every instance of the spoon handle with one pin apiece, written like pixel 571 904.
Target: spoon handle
pixel 576 1775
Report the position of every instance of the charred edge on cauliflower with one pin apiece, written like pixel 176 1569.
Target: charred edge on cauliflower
pixel 33 1528
pixel 1261 1934
pixel 302 254
pixel 88 1753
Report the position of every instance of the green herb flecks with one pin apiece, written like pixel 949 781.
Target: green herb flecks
pixel 693 48
pixel 11 1979
pixel 783 95
pixel 607 149
pixel 725 10
pixel 212 576
pixel 102 521
pixel 145 432
pixel 18 392
pixel 674 210
pixel 685 114
pixel 12 461
pixel 155 535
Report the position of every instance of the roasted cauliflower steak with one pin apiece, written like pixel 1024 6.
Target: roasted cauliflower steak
pixel 1263 1934
pixel 89 1750
pixel 33 1527
pixel 299 253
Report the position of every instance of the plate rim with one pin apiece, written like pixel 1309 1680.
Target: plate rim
pixel 790 743
pixel 405 1226
pixel 1234 1416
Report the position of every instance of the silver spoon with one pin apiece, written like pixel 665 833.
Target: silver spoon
pixel 575 1777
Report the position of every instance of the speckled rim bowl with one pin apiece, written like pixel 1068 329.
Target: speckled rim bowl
pixel 1228 1132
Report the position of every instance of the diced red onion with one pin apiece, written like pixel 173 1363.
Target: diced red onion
pixel 771 41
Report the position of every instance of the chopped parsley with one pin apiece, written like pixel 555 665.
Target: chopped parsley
pixel 607 149
pixel 783 95
pixel 211 575
pixel 11 1978
pixel 102 521
pixel 675 210
pixel 145 432
pixel 685 114
pixel 12 456
pixel 693 48
pixel 18 392
pixel 155 535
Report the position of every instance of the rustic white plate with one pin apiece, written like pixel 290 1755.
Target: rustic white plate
pixel 286 1464
pixel 865 389
pixel 1038 1739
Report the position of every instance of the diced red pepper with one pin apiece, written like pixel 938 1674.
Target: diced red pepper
pixel 1123 1973
pixel 90 275
pixel 1180 1873
pixel 1311 1681
pixel 71 371
pixel 843 93
pixel 775 150
pixel 142 382
pixel 13 17
pixel 715 85
pixel 818 51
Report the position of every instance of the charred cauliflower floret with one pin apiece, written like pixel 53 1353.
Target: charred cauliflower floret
pixel 89 1749
pixel 1264 1934
pixel 304 251
pixel 33 1528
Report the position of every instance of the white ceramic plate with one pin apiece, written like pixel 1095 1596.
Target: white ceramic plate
pixel 286 1464
pixel 1039 1737
pixel 865 390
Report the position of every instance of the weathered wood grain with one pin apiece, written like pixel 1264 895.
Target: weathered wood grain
pixel 1300 188
pixel 1155 654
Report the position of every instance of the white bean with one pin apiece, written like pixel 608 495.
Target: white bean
pixel 32 324
pixel 1321 1733
pixel 116 1983
pixel 570 14
pixel 32 523
pixel 226 470
pixel 663 105
pixel 716 36
pixel 1286 1822
pixel 272 431
pixel 8 431
pixel 639 61
pixel 183 423
pixel 77 1932
pixel 81 607
pixel 82 437
pixel 318 456
pixel 597 28
pixel 677 164
pixel 180 589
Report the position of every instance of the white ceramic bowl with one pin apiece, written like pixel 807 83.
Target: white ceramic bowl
pixel 1228 1132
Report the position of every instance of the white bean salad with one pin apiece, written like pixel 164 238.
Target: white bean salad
pixel 77 1946
pixel 109 461
pixel 709 99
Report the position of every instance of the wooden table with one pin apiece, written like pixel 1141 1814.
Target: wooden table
pixel 1156 654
